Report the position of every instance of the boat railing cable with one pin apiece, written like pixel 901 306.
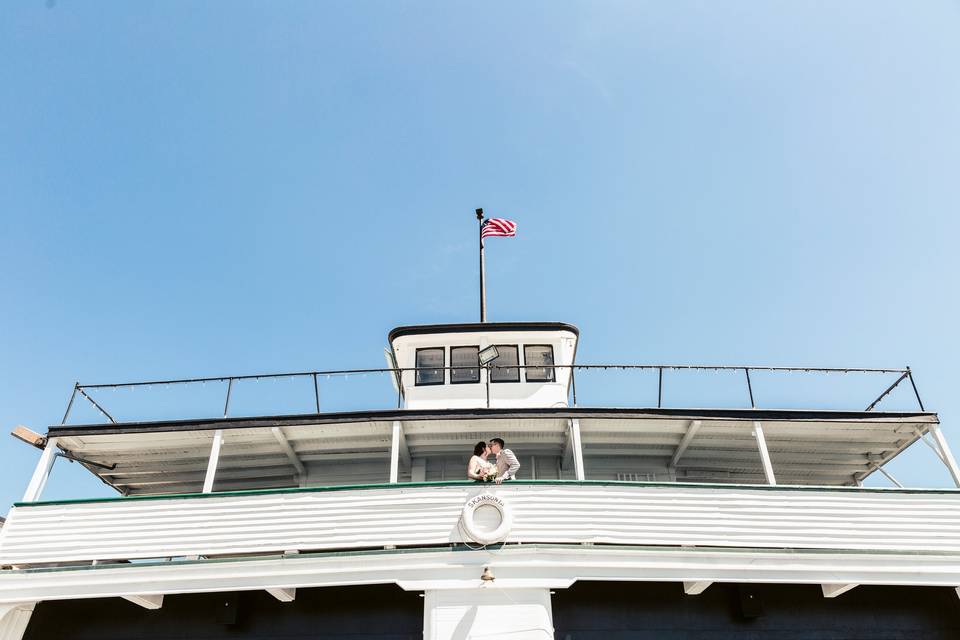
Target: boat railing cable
pixel 398 373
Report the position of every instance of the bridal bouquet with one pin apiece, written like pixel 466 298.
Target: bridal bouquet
pixel 490 474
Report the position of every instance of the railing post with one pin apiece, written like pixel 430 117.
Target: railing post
pixel 226 405
pixel 66 414
pixel 660 387
pixel 915 392
pixel 316 392
pixel 573 384
pixel 753 405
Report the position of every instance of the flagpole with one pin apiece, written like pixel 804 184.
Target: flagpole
pixel 483 290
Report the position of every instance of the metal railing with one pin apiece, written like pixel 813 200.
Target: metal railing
pixel 399 372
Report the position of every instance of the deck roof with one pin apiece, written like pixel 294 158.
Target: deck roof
pixel 806 447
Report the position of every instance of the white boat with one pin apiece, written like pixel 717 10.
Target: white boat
pixel 664 522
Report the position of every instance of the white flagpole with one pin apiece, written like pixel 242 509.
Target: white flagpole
pixel 483 290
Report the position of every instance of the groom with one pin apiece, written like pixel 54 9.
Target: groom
pixel 507 463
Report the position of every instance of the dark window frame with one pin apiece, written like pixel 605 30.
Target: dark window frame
pixel 453 371
pixel 443 365
pixel 519 379
pixel 551 368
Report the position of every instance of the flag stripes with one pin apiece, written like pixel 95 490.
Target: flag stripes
pixel 498 227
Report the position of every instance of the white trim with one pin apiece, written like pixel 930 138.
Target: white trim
pixel 764 454
pixel 527 566
pixel 42 472
pixel 214 459
pixel 153 601
pixel 832 590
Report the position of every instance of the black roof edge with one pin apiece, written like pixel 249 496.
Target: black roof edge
pixel 476 327
pixel 389 415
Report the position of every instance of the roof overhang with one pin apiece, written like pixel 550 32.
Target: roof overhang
pixel 806 447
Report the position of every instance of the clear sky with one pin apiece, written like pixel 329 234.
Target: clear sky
pixel 240 187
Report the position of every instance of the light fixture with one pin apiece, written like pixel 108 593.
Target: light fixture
pixel 487 575
pixel 488 355
pixel 32 438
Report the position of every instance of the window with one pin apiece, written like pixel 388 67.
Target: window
pixel 426 360
pixel 464 357
pixel 539 361
pixel 509 355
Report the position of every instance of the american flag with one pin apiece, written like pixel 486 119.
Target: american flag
pixel 498 227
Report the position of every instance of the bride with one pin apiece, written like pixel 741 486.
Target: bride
pixel 478 468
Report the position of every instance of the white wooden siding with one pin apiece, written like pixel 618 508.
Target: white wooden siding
pixel 407 516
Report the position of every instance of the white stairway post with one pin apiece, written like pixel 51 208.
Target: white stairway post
pixel 214 459
pixel 577 449
pixel 948 458
pixel 487 612
pixel 764 454
pixel 41 472
pixel 14 619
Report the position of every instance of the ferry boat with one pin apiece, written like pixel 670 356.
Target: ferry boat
pixel 651 522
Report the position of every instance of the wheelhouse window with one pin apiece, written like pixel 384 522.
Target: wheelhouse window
pixel 430 366
pixel 500 369
pixel 539 361
pixel 464 357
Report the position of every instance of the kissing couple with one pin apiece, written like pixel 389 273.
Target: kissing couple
pixel 481 470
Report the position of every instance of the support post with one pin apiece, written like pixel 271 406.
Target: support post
pixel 945 452
pixel 42 472
pixel 578 469
pixel 888 476
pixel 764 454
pixel 214 459
pixel 395 454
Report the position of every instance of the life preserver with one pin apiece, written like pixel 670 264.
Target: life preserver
pixel 480 536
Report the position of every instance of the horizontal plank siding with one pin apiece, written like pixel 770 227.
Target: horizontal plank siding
pixel 429 515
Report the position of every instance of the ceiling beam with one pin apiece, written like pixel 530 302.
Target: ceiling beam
pixel 281 439
pixel 692 429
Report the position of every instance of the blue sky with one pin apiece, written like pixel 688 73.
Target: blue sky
pixel 240 187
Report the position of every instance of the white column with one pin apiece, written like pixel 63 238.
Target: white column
pixel 214 459
pixel 14 619
pixel 395 453
pixel 948 458
pixel 764 454
pixel 41 472
pixel 577 449
pixel 487 612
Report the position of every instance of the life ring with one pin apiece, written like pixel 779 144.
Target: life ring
pixel 470 527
